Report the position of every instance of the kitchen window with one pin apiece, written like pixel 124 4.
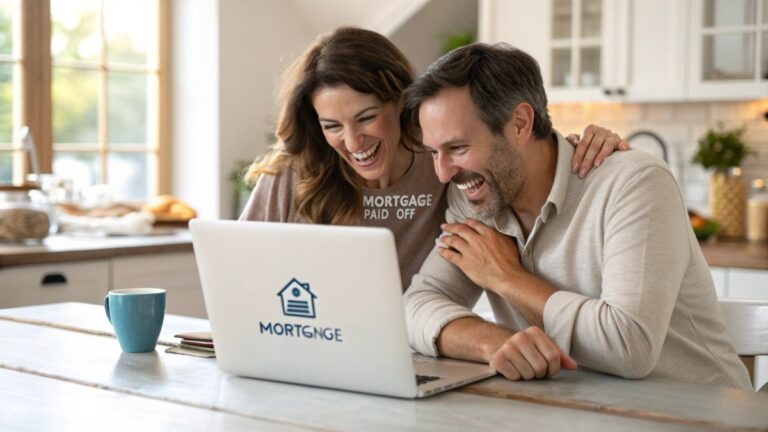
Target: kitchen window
pixel 88 78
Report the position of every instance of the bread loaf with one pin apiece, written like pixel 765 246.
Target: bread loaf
pixel 169 208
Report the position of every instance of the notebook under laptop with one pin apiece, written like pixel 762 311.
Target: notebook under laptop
pixel 316 305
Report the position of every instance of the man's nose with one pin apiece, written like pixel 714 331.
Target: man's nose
pixel 444 168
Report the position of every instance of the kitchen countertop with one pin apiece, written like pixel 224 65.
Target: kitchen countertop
pixel 61 248
pixel 736 254
pixel 74 248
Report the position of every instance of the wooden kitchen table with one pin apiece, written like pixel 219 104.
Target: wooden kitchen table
pixel 61 369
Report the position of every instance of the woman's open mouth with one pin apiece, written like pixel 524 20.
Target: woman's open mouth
pixel 367 157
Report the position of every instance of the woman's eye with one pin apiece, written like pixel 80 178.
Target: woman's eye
pixel 367 118
pixel 330 127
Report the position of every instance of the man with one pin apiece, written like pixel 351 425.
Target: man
pixel 607 265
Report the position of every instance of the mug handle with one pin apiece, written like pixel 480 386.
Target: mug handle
pixel 106 308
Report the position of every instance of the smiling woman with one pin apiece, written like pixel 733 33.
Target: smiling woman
pixel 343 156
pixel 365 132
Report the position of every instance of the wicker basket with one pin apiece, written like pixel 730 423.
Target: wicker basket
pixel 728 200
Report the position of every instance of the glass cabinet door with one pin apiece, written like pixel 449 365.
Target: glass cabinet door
pixel 764 54
pixel 576 51
pixel 729 49
pixel 729 39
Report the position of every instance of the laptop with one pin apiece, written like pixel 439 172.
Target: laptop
pixel 316 305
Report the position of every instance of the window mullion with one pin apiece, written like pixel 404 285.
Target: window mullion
pixel 36 78
pixel 103 106
pixel 162 152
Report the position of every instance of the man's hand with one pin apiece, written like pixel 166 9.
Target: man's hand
pixel 492 261
pixel 489 258
pixel 595 145
pixel 530 354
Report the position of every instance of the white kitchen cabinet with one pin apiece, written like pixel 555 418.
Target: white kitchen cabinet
pixel 638 50
pixel 82 281
pixel 89 281
pixel 748 284
pixel 175 272
pixel 740 283
pixel 720 278
pixel 729 49
pixel 744 284
pixel 609 50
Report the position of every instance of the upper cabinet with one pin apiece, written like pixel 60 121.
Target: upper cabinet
pixel 625 50
pixel 729 49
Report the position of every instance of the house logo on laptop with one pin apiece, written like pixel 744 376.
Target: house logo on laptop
pixel 297 299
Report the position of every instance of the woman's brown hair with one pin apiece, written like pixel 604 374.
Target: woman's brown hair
pixel 365 61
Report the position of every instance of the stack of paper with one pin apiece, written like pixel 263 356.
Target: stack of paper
pixel 199 344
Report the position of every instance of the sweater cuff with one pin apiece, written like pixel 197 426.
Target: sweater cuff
pixel 560 313
pixel 431 332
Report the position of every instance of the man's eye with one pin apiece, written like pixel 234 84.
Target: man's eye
pixel 433 153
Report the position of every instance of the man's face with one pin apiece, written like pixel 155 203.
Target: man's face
pixel 487 168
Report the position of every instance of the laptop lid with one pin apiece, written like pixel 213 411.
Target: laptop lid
pixel 309 304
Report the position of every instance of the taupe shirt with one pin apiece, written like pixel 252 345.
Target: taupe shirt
pixel 635 295
pixel 413 209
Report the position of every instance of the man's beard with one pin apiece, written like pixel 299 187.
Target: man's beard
pixel 505 178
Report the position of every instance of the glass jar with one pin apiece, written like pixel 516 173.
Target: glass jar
pixel 757 212
pixel 25 214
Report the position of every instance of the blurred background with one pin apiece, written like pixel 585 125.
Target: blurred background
pixel 156 97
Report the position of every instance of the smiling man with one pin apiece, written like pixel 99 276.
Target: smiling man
pixel 606 265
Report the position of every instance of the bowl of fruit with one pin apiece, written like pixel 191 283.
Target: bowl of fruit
pixel 702 227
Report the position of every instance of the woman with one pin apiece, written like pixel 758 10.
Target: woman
pixel 343 157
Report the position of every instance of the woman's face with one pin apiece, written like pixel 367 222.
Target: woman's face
pixel 364 131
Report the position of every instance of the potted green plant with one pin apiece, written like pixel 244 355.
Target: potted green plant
pixel 451 41
pixel 723 150
pixel 241 186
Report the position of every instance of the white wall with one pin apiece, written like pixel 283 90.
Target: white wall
pixel 385 17
pixel 227 56
pixel 421 38
pixel 257 41
pixel 195 104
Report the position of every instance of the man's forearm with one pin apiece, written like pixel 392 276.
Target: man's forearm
pixel 528 294
pixel 471 338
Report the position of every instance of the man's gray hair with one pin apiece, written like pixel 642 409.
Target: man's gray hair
pixel 499 78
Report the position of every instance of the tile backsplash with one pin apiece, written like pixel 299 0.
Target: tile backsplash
pixel 681 125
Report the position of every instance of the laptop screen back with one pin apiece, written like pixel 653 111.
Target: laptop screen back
pixel 309 304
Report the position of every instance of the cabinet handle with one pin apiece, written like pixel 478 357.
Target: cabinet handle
pixel 620 91
pixel 53 279
pixel 607 92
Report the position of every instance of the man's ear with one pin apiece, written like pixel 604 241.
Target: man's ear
pixel 520 124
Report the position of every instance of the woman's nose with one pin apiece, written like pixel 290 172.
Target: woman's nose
pixel 353 139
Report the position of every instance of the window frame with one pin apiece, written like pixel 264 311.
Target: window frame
pixel 35 107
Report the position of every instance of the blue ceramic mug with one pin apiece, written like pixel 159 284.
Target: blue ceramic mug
pixel 137 316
